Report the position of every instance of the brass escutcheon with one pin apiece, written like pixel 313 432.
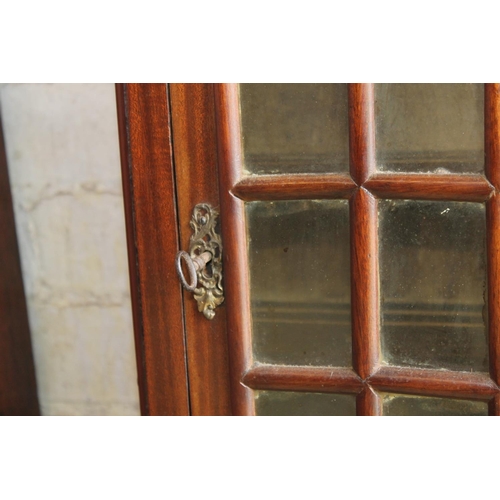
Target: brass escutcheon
pixel 204 260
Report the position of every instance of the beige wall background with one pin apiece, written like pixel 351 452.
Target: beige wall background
pixel 64 166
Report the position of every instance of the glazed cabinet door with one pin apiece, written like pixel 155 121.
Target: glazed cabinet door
pixel 360 226
pixel 360 246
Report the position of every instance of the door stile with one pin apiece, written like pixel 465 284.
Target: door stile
pixel 492 150
pixel 196 179
pixel 493 256
pixel 364 244
pixel 236 278
pixel 152 240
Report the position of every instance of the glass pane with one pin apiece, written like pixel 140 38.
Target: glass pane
pixel 281 403
pixel 396 405
pixel 300 282
pixel 433 284
pixel 430 127
pixel 294 128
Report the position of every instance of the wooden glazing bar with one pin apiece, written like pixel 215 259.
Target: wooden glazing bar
pixel 152 239
pixel 294 187
pixel 196 177
pixel 492 149
pixel 303 378
pixel 430 187
pixel 364 283
pixel 493 253
pixel 236 282
pixel 368 403
pixel 492 132
pixel 434 383
pixel 494 406
pixel 361 131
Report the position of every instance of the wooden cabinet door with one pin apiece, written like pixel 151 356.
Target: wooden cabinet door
pixel 360 232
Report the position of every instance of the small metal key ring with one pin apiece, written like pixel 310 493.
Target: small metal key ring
pixel 192 271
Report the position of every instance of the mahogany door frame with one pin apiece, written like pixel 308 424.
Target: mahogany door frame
pixel 363 187
pixel 196 175
pixel 152 239
pixel 169 164
pixel 204 115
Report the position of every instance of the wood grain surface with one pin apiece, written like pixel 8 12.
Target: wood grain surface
pixel 236 281
pixel 492 148
pixel 153 241
pixel 430 187
pixel 206 131
pixel 494 406
pixel 434 383
pixel 303 378
pixel 196 174
pixel 361 131
pixel 364 284
pixel 368 403
pixel 294 187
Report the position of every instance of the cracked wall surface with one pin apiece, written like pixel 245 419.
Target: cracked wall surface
pixel 64 167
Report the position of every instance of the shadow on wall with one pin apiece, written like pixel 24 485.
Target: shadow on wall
pixel 64 166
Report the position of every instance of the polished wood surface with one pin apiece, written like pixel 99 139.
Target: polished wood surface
pixel 200 121
pixel 368 403
pixel 196 175
pixel 492 132
pixel 294 187
pixel 493 255
pixel 364 236
pixel 494 406
pixel 18 390
pixel 369 185
pixel 364 284
pixel 387 378
pixel 492 140
pixel 434 383
pixel 153 241
pixel 430 187
pixel 236 282
pixel 361 131
pixel 303 378
pixel 417 381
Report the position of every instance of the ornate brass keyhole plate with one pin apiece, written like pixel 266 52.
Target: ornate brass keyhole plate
pixel 204 260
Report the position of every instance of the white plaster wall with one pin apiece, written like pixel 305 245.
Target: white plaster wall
pixel 64 165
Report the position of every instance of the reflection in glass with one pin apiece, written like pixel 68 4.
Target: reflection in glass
pixel 300 282
pixel 430 127
pixel 294 128
pixel 283 403
pixel 399 405
pixel 433 282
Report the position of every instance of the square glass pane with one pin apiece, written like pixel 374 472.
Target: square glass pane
pixel 300 282
pixel 430 127
pixel 433 284
pixel 396 405
pixel 294 128
pixel 284 403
